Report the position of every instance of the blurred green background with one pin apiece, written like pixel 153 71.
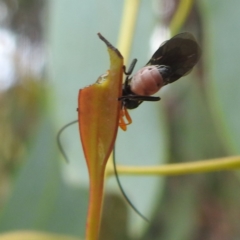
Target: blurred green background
pixel 48 51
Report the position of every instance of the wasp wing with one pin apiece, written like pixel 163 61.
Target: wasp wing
pixel 180 53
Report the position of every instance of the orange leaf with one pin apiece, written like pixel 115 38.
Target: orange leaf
pixel 98 114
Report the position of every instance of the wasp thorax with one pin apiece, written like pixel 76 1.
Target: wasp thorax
pixel 146 81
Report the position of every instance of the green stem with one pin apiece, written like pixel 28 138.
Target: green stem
pixel 219 164
pixel 180 16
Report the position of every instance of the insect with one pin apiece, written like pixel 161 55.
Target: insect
pixel 175 58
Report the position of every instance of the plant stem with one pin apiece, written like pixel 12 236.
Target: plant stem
pixel 212 165
pixel 180 16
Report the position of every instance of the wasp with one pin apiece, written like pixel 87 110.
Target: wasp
pixel 174 59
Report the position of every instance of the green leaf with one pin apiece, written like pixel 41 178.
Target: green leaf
pixel 77 58
pixel 221 61
pixel 40 200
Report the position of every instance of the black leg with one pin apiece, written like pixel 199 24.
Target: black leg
pixel 128 73
pixel 139 98
pixel 130 70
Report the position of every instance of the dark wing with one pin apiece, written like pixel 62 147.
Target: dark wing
pixel 181 53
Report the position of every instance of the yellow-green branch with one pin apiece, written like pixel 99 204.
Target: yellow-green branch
pixel 180 16
pixel 127 28
pixel 218 164
pixel 126 33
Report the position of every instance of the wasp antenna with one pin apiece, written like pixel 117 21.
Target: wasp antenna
pixel 60 147
pixel 123 192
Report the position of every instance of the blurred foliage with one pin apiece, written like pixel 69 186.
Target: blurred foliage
pixel 25 17
pixel 198 118
pixel 114 226
pixel 20 110
pixel 203 208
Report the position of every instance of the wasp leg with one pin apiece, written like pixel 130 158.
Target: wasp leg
pixel 139 98
pixel 129 119
pixel 124 119
pixel 132 66
pixel 122 124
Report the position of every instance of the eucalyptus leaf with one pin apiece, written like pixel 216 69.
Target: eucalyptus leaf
pixel 40 200
pixel 221 50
